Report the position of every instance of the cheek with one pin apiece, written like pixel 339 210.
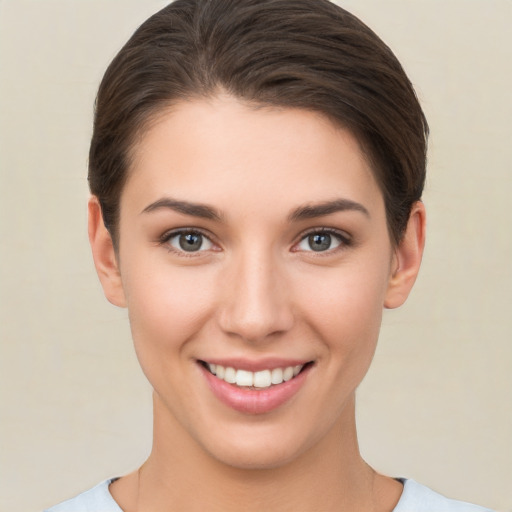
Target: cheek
pixel 345 307
pixel 167 306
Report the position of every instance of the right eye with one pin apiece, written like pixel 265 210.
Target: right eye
pixel 188 241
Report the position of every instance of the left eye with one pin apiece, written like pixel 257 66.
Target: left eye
pixel 191 241
pixel 320 242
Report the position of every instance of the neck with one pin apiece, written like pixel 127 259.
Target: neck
pixel 329 476
pixel 180 475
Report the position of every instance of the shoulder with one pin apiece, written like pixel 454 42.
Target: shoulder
pixel 415 498
pixel 418 498
pixel 95 499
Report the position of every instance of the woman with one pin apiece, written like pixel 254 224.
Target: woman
pixel 256 171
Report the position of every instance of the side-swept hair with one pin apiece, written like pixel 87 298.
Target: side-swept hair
pixel 308 54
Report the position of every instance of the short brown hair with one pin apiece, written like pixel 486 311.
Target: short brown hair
pixel 308 54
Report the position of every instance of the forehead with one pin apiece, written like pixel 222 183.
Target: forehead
pixel 224 149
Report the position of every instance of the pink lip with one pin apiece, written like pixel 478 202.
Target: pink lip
pixel 250 401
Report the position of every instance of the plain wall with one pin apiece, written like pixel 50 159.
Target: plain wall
pixel 75 408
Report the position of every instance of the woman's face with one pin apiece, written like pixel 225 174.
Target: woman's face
pixel 254 241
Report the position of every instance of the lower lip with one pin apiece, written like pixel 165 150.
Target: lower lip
pixel 251 401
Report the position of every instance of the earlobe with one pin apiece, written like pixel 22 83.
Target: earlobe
pixel 104 255
pixel 407 259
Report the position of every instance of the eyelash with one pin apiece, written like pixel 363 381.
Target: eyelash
pixel 344 240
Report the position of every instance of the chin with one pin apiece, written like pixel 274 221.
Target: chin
pixel 255 448
pixel 255 457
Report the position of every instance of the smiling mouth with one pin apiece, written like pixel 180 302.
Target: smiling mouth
pixel 263 379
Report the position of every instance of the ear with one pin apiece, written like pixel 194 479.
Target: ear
pixel 407 258
pixel 104 255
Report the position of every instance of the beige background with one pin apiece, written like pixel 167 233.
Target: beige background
pixel 75 408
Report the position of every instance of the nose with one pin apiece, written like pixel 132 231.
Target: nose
pixel 256 301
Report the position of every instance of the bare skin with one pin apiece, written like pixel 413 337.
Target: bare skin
pixel 251 188
pixel 330 486
pixel 294 487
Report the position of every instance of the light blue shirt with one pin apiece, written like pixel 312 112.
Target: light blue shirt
pixel 415 498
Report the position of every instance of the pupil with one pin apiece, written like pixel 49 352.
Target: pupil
pixel 320 242
pixel 191 242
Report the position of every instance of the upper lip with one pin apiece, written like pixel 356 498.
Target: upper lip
pixel 252 365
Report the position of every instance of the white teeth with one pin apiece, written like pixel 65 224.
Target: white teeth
pixel 261 379
pixel 277 376
pixel 230 375
pixel 288 373
pixel 220 371
pixel 244 378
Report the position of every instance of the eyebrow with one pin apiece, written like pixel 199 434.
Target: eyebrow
pixel 194 209
pixel 311 211
pixel 308 211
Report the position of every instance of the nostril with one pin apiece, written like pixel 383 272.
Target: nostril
pixel 256 325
